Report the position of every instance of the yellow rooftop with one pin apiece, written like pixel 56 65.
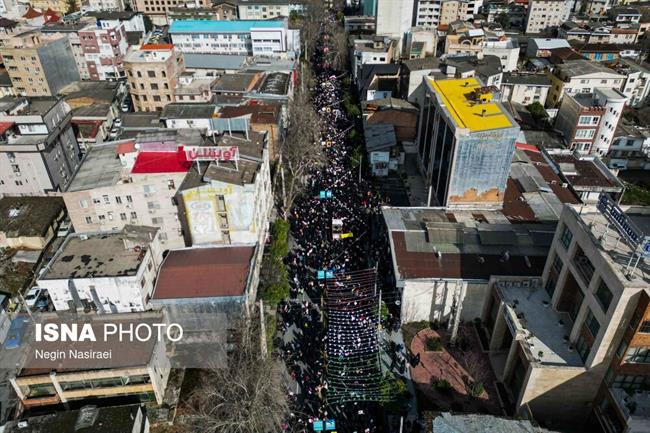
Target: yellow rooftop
pixel 470 104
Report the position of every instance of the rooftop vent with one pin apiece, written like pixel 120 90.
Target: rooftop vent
pixel 87 417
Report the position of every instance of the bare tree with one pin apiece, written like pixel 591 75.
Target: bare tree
pixel 247 396
pixel 300 152
pixel 474 363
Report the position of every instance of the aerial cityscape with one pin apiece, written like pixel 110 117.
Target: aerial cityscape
pixel 327 216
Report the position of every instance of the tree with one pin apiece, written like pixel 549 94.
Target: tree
pixel 300 152
pixel 503 20
pixel 474 363
pixel 246 396
pixel 72 6
pixel 274 285
pixel 537 111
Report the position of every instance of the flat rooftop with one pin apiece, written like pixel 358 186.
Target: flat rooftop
pixel 179 110
pixel 110 254
pixel 100 167
pixel 204 273
pixel 436 243
pixel 223 26
pixel 545 331
pixel 29 216
pixel 468 114
pixel 610 244
pixel 586 173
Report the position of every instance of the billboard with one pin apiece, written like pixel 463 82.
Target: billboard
pixel 211 153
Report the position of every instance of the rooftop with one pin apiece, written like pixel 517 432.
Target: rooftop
pixel 105 91
pixel 275 83
pixel 145 56
pixel 179 110
pixel 29 216
pixel 260 113
pixel 113 15
pixel 96 255
pixel 15 274
pixel 100 167
pixel 239 82
pixel 435 243
pixel 113 419
pixel 527 79
pixel 549 44
pixel 467 113
pixel 223 26
pixel 474 423
pixel 541 330
pixel 585 172
pixel 141 120
pixel 204 272
pixel 379 137
pixel 576 68
pixel 213 61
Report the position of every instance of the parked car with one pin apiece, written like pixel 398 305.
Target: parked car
pixel 32 296
pixel 114 133
pixel 126 106
pixel 117 123
pixel 15 333
pixel 64 228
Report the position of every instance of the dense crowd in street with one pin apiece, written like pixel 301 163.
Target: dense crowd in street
pixel 330 323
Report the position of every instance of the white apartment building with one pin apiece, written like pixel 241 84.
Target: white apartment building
pixel 377 50
pixel 580 76
pixel 270 38
pixel 506 49
pixel 267 9
pixel 104 48
pixel 545 14
pixel 525 89
pixel 133 21
pixel 108 272
pixel 430 13
pixel 103 5
pixel 394 18
pixel 637 81
pixel 139 194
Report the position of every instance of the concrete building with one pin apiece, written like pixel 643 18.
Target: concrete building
pixel 505 48
pixel 637 81
pixel 263 118
pixel 580 76
pixel 475 423
pixel 192 89
pixel 268 9
pixel 133 21
pixel 180 115
pixel 59 6
pixel 270 38
pixel 152 75
pixel 545 14
pixel 82 277
pixel 158 11
pixel 359 24
pixel 104 49
pixel 29 222
pixel 38 64
pixel 630 147
pixel 443 259
pixel 466 140
pixel 463 39
pixel 525 89
pixel 394 18
pixel 420 43
pixel 139 371
pixel 571 345
pixel 542 47
pixel 230 202
pixel 376 50
pixel 412 86
pixel 588 120
pixel 103 5
pixel 71 31
pixel 38 149
pixel 136 188
pixel 113 419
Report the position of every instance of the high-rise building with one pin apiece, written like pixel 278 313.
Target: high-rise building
pixel 152 75
pixel 588 120
pixel 394 17
pixel 545 14
pixel 157 10
pixel 104 48
pixel 39 64
pixel 466 140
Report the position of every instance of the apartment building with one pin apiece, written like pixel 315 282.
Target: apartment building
pixel 229 202
pixel 38 64
pixel 71 31
pixel 136 188
pixel 38 149
pixel 192 89
pixel 103 6
pixel 573 344
pixel 637 81
pixel 135 370
pixel 59 6
pixel 630 147
pixel 376 50
pixel 132 21
pixel 270 38
pixel 505 48
pixel 82 277
pixel 463 39
pixel 588 120
pixel 268 9
pixel 580 76
pixel 157 9
pixel 152 75
pixel 545 14
pixel 525 88
pixel 466 140
pixel 104 49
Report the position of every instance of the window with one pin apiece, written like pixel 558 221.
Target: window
pixel 566 237
pixel 123 216
pixel 585 133
pixel 629 382
pixel 604 296
pixel 583 348
pixel 134 215
pixel 156 98
pixel 83 204
pixel 156 221
pixel 588 120
pixel 118 199
pixel 102 218
pixel 129 199
pixel 645 327
pixel 170 184
pixel 151 74
pixel 154 86
pixel 89 220
pixel 106 199
pixel 640 355
pixel 163 236
pixel 592 324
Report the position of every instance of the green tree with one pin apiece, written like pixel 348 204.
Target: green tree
pixel 72 6
pixel 395 395
pixel 503 20
pixel 537 111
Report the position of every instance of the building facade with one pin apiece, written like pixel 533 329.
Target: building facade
pixel 580 76
pixel 545 14
pixel 394 18
pixel 157 10
pixel 104 49
pixel 268 9
pixel 466 140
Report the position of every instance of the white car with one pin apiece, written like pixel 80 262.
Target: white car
pixel 114 133
pixel 64 228
pixel 117 123
pixel 32 296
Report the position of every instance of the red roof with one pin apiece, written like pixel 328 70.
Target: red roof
pixel 204 273
pixel 4 126
pixel 161 162
pixel 127 147
pixel 32 13
pixel 524 146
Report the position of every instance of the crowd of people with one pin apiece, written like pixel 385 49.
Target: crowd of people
pixel 330 321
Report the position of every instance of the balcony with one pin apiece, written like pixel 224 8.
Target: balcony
pixel 634 406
